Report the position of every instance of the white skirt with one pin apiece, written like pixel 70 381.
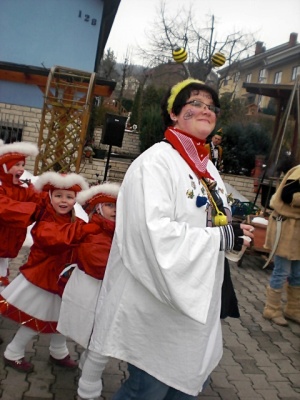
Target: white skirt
pixel 3 266
pixel 32 300
pixel 77 313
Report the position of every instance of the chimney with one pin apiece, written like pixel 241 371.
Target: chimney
pixel 258 48
pixel 293 39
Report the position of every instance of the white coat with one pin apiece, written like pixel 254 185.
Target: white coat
pixel 159 307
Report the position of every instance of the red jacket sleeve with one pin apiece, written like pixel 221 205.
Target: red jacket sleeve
pixel 55 236
pixel 16 214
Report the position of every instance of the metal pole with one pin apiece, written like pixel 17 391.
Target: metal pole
pixel 107 162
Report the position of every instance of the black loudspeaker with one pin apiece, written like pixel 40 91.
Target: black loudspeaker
pixel 113 130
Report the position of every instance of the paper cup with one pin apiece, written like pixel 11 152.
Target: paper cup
pixel 234 255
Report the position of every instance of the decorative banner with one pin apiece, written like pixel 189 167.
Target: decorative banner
pixel 179 55
pixel 218 59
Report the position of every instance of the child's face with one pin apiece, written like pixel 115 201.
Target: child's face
pixel 17 171
pixel 63 200
pixel 107 210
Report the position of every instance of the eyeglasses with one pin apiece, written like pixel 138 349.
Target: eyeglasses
pixel 201 104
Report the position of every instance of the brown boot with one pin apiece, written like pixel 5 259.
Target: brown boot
pixel 273 309
pixel 292 309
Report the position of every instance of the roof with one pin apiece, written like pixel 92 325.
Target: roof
pixel 270 90
pixel 109 12
pixel 267 58
pixel 38 76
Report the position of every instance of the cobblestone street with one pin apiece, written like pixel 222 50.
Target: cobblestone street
pixel 261 360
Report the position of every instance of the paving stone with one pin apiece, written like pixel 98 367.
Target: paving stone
pixel 114 366
pixel 268 394
pixel 228 394
pixel 259 381
pixel 210 393
pixel 273 374
pixel 14 385
pixel 112 382
pixel 286 367
pixel 262 359
pixel 245 390
pixel 240 353
pixel 250 367
pixel 294 379
pixel 227 358
pixel 285 390
pixel 235 374
pixel 220 380
pixel 295 358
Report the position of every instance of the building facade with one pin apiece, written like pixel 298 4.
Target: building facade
pixel 66 37
pixel 279 65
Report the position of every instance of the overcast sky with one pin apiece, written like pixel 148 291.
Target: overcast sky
pixel 271 21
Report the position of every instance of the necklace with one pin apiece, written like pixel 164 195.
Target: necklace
pixel 219 218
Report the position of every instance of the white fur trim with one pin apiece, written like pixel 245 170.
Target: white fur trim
pixel 60 181
pixel 24 148
pixel 1 142
pixel 108 188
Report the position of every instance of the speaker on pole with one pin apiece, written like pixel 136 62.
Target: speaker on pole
pixel 113 130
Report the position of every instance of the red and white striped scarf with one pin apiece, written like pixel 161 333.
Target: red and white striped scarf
pixel 191 149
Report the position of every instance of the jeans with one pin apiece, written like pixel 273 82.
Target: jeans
pixel 142 386
pixel 285 270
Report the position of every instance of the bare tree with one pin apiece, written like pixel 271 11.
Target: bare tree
pixel 182 30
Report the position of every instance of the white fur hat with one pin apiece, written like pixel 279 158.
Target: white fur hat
pixel 104 193
pixel 12 153
pixel 50 181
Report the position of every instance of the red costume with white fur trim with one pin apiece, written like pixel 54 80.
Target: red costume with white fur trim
pixel 93 252
pixel 18 204
pixel 32 297
pixel 76 319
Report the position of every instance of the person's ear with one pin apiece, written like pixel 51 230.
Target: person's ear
pixel 173 117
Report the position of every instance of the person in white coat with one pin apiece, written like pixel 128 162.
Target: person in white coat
pixel 159 306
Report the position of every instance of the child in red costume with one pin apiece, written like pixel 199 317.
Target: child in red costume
pixel 77 313
pixel 18 203
pixel 32 298
pixel 91 257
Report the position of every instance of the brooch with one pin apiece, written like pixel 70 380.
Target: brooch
pixel 190 194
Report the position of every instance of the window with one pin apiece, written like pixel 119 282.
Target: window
pixel 277 77
pixel 237 76
pixel 295 72
pixel 262 75
pixel 9 134
pixel 248 78
pixel 226 80
pixel 11 128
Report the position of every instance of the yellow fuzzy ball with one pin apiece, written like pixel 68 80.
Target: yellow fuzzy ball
pixel 218 59
pixel 179 55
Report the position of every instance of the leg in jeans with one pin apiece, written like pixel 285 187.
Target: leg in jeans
pixel 174 394
pixel 294 278
pixel 142 386
pixel 16 348
pixel 90 383
pixel 280 273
